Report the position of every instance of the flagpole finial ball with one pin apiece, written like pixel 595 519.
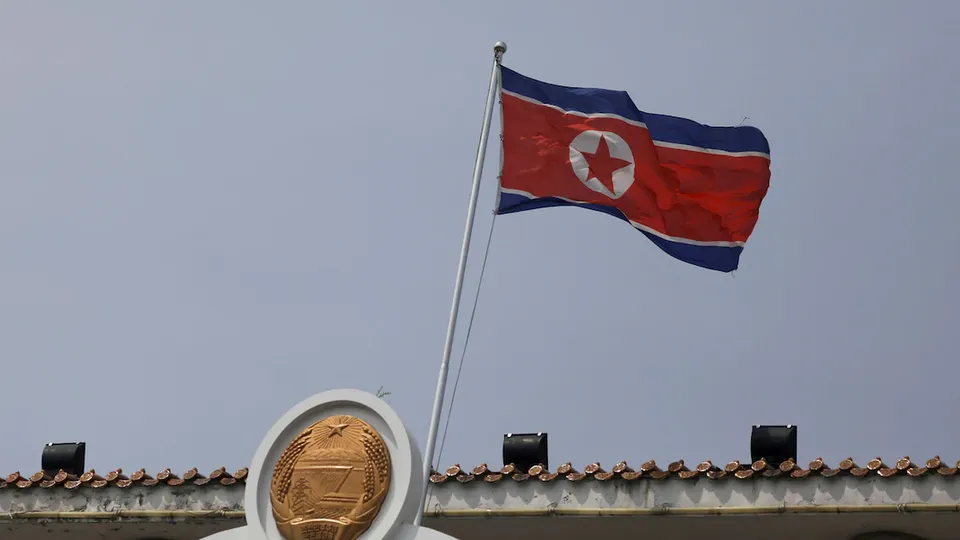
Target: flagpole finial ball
pixel 500 47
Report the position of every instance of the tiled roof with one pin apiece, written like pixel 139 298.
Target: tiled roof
pixel 680 470
pixel 118 479
pixel 594 471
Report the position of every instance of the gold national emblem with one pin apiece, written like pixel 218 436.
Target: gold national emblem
pixel 331 481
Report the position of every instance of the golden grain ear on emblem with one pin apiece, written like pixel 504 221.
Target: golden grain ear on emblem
pixel 331 481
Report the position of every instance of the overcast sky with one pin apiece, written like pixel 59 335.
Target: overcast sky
pixel 212 210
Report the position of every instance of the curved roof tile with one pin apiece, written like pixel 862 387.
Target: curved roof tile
pixel 116 478
pixel 681 471
pixel 678 470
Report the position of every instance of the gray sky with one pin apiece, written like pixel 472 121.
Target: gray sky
pixel 211 211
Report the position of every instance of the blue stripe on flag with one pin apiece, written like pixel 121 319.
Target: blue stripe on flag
pixel 720 258
pixel 663 128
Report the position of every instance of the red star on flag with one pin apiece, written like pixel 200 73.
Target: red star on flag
pixel 603 165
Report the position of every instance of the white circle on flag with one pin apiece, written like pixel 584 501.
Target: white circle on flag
pixel 588 142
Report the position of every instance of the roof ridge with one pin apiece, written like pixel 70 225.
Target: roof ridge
pixel 679 470
pixel 116 478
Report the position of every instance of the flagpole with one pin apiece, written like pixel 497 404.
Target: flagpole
pixel 498 49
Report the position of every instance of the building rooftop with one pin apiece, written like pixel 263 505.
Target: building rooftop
pixel 678 470
pixel 752 501
pixel 117 478
pixel 682 471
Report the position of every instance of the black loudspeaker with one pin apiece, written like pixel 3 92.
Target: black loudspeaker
pixel 773 444
pixel 524 450
pixel 66 456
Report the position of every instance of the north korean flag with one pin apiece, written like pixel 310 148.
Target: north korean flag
pixel 694 190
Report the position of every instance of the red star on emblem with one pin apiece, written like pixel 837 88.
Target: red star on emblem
pixel 603 165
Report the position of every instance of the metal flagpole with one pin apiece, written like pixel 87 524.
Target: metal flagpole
pixel 498 51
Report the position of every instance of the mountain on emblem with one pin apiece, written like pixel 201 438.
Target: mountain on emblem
pixel 331 481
